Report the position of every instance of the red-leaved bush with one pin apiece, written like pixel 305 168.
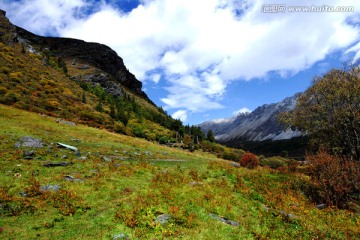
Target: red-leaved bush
pixel 249 160
pixel 336 178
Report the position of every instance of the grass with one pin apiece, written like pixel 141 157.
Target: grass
pixel 129 182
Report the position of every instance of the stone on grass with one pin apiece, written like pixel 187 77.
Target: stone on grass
pixel 57 164
pixel 29 154
pixel 73 179
pixel 288 215
pixel 28 141
pixel 224 220
pixel 106 159
pixel 162 219
pixel 235 164
pixel 120 236
pixel 50 188
pixel 62 121
pixel 23 194
pixel 320 206
pixel 193 184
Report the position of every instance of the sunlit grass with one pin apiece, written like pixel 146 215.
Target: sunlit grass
pixel 129 182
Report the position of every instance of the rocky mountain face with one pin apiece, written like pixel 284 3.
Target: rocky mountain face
pixel 96 63
pixel 259 125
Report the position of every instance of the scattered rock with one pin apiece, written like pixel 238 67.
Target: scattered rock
pixel 120 236
pixel 62 145
pixel 195 184
pixel 162 219
pixel 63 156
pixel 82 158
pixel 50 188
pixel 62 121
pixel 147 153
pixel 320 206
pixel 29 142
pixel 235 164
pixel 57 164
pixel 84 67
pixel 224 220
pixel 106 159
pixel 73 179
pixel 23 194
pixel 288 215
pixel 78 154
pixel 29 154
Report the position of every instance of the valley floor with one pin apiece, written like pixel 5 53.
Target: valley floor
pixel 119 187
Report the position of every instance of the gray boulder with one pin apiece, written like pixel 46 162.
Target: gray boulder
pixel 162 219
pixel 28 141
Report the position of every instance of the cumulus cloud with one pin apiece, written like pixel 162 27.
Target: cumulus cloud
pixel 45 17
pixel 200 46
pixel 180 114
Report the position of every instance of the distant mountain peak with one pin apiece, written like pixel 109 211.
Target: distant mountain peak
pixel 258 125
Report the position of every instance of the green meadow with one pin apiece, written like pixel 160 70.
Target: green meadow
pixel 121 187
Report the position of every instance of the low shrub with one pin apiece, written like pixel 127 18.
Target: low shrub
pixel 273 162
pixel 249 160
pixel 336 178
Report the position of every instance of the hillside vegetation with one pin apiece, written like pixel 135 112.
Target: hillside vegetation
pixel 118 186
pixel 86 83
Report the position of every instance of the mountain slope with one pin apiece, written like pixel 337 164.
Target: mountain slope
pixel 259 125
pixel 76 80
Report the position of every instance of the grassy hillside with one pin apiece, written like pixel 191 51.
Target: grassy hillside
pixel 118 186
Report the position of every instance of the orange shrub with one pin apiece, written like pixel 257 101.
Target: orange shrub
pixel 336 179
pixel 249 160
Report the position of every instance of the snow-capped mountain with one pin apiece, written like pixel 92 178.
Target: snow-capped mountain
pixel 259 125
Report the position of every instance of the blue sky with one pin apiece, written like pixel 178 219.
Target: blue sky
pixel 206 59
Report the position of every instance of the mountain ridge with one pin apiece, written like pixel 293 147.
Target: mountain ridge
pixel 71 51
pixel 258 125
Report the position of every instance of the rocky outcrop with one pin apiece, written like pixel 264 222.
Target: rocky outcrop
pixel 111 68
pixel 94 54
pixel 8 33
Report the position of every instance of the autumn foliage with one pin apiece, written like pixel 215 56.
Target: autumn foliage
pixel 249 160
pixel 329 112
pixel 337 179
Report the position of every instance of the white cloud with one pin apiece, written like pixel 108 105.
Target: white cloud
pixel 155 78
pixel 355 49
pixel 200 46
pixel 42 16
pixel 180 114
pixel 242 111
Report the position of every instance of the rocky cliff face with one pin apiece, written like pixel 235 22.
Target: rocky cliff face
pixel 108 67
pixel 259 125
